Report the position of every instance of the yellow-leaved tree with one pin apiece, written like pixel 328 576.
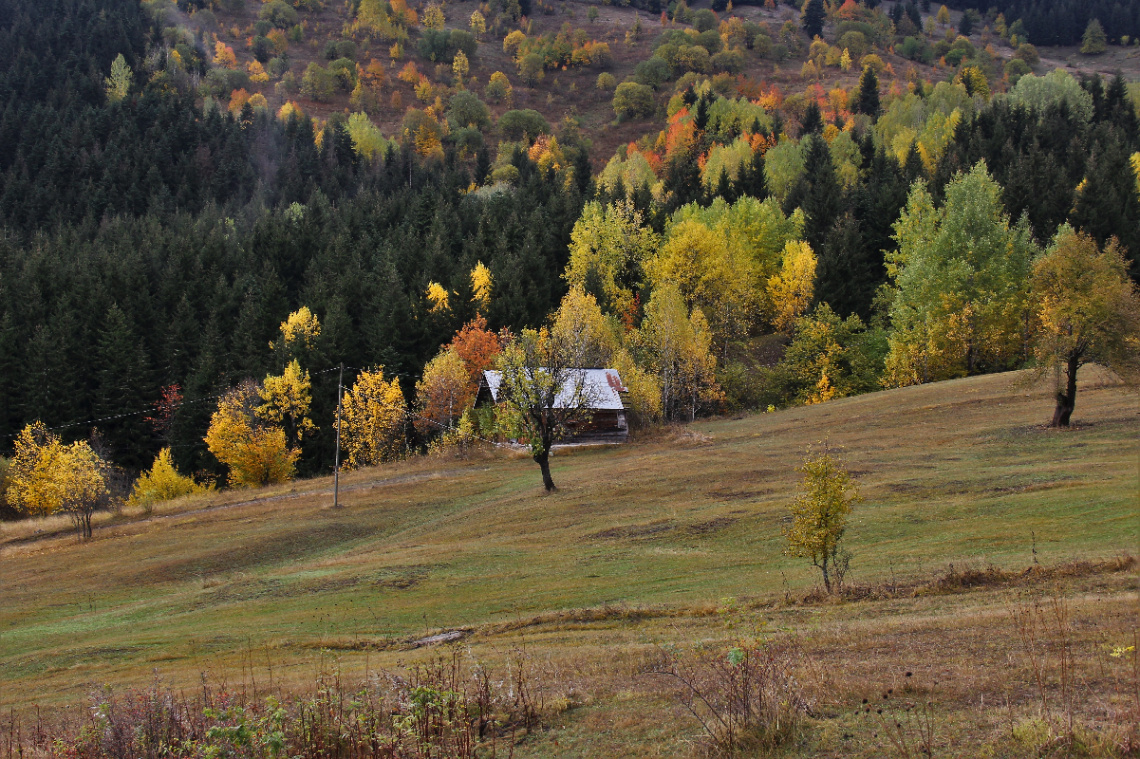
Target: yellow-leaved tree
pixel 444 392
pixel 373 418
pixel 1087 310
pixel 162 483
pixel 481 284
pixel 677 345
pixel 118 84
pixel 47 477
pixel 827 492
pixel 299 336
pixel 433 17
pixel 286 401
pixel 255 452
pixel 438 295
pixel 790 290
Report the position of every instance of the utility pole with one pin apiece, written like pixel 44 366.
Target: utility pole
pixel 336 466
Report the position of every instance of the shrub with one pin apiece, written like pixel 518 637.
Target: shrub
pixel 262 48
pixel 704 20
pixel 466 110
pixel 606 81
pixel 854 41
pixel 277 66
pixel 731 61
pixel 522 124
pixel 498 88
pixel 531 68
pixel 221 82
pixel 1027 53
pixel 915 49
pixel 746 697
pixel 318 83
pixel 633 100
pixel 653 72
pixel 344 69
pixel 162 483
pixel 1016 68
pixel 279 13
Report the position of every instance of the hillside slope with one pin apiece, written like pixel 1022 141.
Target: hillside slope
pixel 959 473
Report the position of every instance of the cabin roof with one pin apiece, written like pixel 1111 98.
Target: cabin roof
pixel 602 387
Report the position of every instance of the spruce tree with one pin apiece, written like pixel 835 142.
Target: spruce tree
pixel 812 121
pixel 124 388
pixel 868 99
pixel 1094 41
pixel 812 18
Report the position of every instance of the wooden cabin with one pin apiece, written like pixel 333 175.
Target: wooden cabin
pixel 603 388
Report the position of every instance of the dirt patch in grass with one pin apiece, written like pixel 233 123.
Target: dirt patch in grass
pixel 633 531
pixel 710 526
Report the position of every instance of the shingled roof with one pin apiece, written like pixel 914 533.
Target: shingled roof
pixel 603 388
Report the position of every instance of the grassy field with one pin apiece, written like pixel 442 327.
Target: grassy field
pixel 671 540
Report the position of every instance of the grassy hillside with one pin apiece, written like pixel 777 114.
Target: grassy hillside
pixel 959 473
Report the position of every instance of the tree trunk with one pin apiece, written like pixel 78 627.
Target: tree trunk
pixel 826 575
pixel 543 461
pixel 1067 399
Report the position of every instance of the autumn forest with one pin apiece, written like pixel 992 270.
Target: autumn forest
pixel 799 204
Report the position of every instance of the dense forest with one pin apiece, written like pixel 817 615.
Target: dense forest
pixel 152 239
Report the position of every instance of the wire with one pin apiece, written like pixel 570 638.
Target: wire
pixel 407 411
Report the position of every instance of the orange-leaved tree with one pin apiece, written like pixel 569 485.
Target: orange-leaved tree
pixel 477 346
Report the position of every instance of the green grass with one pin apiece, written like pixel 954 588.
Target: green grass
pixel 959 472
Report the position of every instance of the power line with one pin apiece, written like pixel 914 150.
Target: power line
pixel 151 409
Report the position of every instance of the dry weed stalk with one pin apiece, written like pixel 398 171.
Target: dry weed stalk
pixel 909 726
pixel 446 706
pixel 744 697
pixel 1046 636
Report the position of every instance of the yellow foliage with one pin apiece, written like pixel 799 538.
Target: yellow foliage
pixel 873 61
pixel 256 454
pixel 819 514
pixel 444 393
pixel 1135 161
pixel 581 333
pixel 438 297
pixel 162 483
pixel 289 109
pixel 427 142
pixel 372 420
pixel 257 101
pixel 478 23
pixel 224 55
pixel 481 283
pixel 433 17
pixel 299 332
pixel 460 66
pixel 257 72
pixel 286 401
pixel 546 153
pixel 47 477
pixel 512 42
pixel 791 289
pixel 845 60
